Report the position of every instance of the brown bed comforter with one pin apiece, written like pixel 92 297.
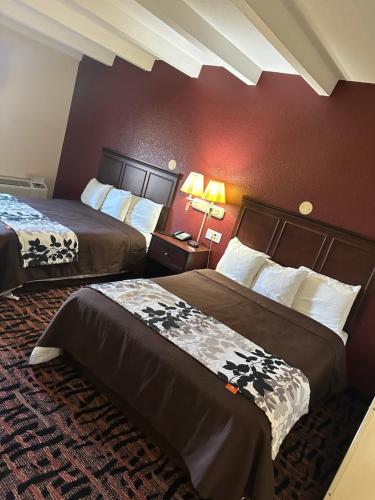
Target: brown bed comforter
pixel 223 439
pixel 106 245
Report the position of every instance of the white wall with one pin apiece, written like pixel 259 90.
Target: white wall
pixel 36 88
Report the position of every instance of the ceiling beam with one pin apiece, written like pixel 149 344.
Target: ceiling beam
pixel 76 21
pixel 12 11
pixel 183 19
pixel 286 29
pixel 137 32
pixel 38 37
pixel 152 22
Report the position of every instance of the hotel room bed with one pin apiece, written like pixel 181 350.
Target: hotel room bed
pixel 223 439
pixel 106 245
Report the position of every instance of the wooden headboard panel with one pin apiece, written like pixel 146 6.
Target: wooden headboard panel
pixel 294 240
pixel 142 179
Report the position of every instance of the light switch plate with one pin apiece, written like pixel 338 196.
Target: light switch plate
pixel 213 235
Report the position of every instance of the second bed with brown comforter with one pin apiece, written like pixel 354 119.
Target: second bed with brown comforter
pixel 106 245
pixel 223 439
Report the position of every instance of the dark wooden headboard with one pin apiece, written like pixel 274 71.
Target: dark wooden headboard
pixel 142 179
pixel 294 240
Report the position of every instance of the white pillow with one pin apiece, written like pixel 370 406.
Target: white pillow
pixel 94 193
pixel 325 299
pixel 143 214
pixel 278 283
pixel 240 263
pixel 117 203
pixel 344 337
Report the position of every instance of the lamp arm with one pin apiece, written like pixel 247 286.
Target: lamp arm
pixel 207 216
pixel 202 225
pixel 189 200
pixel 210 210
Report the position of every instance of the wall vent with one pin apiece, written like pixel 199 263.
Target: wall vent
pixel 27 188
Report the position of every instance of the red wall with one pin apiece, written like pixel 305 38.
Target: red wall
pixel 278 141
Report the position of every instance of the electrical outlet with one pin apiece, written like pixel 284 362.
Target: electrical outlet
pixel 213 235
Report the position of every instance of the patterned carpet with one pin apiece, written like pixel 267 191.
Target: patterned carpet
pixel 61 439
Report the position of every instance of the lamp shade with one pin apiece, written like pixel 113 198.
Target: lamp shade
pixel 215 192
pixel 193 184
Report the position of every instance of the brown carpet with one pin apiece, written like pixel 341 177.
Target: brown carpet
pixel 61 438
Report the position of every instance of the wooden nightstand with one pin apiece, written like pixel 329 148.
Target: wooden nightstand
pixel 177 256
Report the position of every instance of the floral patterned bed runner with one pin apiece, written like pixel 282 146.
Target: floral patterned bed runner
pixel 280 390
pixel 42 240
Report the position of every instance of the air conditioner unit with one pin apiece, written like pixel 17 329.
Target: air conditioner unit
pixel 24 188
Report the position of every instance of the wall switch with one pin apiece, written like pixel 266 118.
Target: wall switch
pixel 213 235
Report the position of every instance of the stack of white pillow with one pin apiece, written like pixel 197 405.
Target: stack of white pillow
pixel 140 213
pixel 324 299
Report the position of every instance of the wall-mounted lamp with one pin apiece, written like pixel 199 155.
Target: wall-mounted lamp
pixel 193 186
pixel 215 193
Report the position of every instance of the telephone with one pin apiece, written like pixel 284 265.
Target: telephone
pixel 181 235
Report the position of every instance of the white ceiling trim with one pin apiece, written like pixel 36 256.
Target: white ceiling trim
pixel 321 41
pixel 187 22
pixel 114 17
pixel 137 12
pixel 38 37
pixel 284 27
pixel 32 20
pixel 235 26
pixel 68 17
pixel 346 29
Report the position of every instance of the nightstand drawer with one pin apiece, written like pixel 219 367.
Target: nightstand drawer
pixel 167 254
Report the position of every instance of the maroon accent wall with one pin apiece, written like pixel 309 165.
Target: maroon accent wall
pixel 278 141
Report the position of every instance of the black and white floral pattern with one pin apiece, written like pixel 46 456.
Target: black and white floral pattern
pixel 42 240
pixel 280 390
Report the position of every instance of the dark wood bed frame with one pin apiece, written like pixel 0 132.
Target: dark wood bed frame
pixel 142 179
pixel 295 240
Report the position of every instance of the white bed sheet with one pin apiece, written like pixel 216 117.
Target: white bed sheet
pixel 344 337
pixel 148 237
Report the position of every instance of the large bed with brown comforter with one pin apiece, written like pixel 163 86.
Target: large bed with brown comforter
pixel 223 439
pixel 106 245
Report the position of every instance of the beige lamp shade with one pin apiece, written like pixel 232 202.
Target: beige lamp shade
pixel 215 192
pixel 193 185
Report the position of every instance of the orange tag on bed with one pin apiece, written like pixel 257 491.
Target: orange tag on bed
pixel 231 388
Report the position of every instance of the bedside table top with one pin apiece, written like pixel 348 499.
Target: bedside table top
pixel 180 244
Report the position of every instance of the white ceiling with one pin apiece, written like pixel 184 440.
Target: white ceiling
pixel 321 40
pixel 346 28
